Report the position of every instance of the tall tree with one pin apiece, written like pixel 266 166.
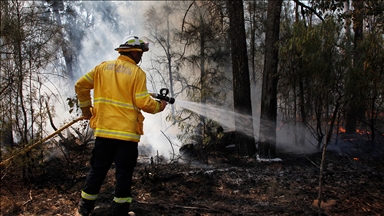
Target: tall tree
pixel 267 142
pixel 240 71
pixel 356 100
pixel 27 50
pixel 67 50
pixel 255 29
pixel 371 79
pixel 202 25
pixel 159 26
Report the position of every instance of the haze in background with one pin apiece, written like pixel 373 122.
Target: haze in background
pixel 158 133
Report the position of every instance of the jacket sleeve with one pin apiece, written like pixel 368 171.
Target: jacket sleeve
pixel 83 88
pixel 142 99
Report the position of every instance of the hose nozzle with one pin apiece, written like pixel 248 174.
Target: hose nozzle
pixel 163 96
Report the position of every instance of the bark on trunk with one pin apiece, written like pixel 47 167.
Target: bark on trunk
pixel 241 83
pixel 267 143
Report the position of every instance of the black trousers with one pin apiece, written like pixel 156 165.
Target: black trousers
pixel 106 151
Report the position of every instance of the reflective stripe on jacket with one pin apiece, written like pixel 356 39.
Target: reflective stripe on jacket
pixel 120 93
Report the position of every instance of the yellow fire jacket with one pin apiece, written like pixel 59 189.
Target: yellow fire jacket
pixel 120 93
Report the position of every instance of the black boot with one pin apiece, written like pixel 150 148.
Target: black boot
pixel 120 209
pixel 86 206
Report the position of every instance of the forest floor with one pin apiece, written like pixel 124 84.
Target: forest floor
pixel 353 184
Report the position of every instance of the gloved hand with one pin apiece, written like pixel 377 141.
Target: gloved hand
pixel 86 111
pixel 163 104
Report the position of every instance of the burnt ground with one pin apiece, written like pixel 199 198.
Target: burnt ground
pixel 353 184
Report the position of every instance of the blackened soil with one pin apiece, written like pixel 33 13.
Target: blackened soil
pixel 353 184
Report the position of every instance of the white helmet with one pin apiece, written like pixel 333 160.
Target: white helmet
pixel 133 43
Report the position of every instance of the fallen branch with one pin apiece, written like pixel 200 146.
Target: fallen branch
pixel 170 142
pixel 204 208
pixel 30 198
pixel 185 207
pixel 190 207
pixel 312 162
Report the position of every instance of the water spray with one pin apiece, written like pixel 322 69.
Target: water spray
pixel 163 96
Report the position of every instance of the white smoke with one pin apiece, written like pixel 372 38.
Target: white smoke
pixel 98 46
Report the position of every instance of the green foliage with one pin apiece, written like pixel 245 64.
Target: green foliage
pixel 319 65
pixel 314 67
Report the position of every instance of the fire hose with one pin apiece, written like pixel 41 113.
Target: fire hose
pixel 29 148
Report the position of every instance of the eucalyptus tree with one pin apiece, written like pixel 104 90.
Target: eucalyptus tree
pixel 291 85
pixel 362 17
pixel 317 57
pixel 204 35
pixel 240 71
pixel 300 42
pixel 27 48
pixel 298 20
pixel 356 109
pixel 255 17
pixel 313 54
pixel 267 135
pixel 374 83
pixel 70 45
pixel 160 27
pixel 371 81
pixel 367 20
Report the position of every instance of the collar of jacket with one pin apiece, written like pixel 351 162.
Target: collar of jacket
pixel 126 58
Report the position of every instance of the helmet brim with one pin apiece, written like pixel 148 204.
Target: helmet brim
pixel 129 50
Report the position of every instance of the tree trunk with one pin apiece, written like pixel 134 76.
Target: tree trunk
pixel 240 70
pixel 267 143
pixel 67 51
pixel 356 103
pixel 203 93
pixel 169 58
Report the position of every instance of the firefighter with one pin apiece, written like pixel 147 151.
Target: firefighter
pixel 119 96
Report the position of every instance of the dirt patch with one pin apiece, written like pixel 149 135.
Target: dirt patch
pixel 226 185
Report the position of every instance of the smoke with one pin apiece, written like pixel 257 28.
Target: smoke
pixel 113 22
pixel 107 32
pixel 287 135
pixel 160 137
pixel 288 140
